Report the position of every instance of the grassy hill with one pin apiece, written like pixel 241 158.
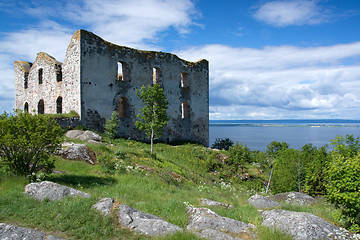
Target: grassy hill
pixel 163 185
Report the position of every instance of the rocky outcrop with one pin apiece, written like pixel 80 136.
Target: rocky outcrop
pixel 83 135
pixel 294 198
pixel 104 206
pixel 78 152
pixel 302 225
pixel 209 202
pixel 11 232
pixel 145 223
pixel 262 202
pixel 51 191
pixel 206 223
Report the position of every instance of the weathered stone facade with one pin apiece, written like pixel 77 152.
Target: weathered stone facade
pixel 97 78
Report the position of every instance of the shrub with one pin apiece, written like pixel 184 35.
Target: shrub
pixel 112 125
pixel 343 187
pixel 239 154
pixel 26 142
pixel 222 143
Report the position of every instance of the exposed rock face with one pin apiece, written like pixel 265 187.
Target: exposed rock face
pixel 145 223
pixel 262 202
pixel 10 232
pixel 209 202
pixel 302 225
pixel 73 133
pixel 206 223
pixel 83 135
pixel 89 135
pixel 294 198
pixel 79 152
pixel 52 191
pixel 104 206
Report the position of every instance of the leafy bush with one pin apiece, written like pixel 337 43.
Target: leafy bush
pixel 275 147
pixel 26 142
pixel 239 154
pixel 222 143
pixel 343 187
pixel 315 160
pixel 286 175
pixel 112 125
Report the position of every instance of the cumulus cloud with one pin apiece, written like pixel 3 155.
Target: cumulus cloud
pixel 124 22
pixel 293 12
pixel 281 81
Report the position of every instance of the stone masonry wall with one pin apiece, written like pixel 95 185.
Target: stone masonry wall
pixel 101 89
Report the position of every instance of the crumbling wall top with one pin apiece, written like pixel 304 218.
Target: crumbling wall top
pixel 25 66
pixel 45 56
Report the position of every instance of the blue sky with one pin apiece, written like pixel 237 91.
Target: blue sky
pixel 268 59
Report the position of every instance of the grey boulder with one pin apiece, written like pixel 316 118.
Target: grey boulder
pixel 294 198
pixel 11 232
pixel 51 191
pixel 89 135
pixel 104 206
pixel 145 223
pixel 301 225
pixel 73 133
pixel 79 152
pixel 207 224
pixel 209 202
pixel 262 202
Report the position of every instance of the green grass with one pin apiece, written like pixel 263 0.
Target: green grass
pixel 154 191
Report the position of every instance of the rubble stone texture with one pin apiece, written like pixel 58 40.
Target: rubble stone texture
pixel 98 77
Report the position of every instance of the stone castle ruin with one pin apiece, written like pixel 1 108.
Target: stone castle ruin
pixel 98 77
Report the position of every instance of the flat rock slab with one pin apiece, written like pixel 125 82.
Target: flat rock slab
pixel 104 206
pixel 294 198
pixel 78 152
pixel 301 225
pixel 209 202
pixel 145 223
pixel 262 202
pixel 206 223
pixel 83 135
pixel 73 133
pixel 51 191
pixel 11 232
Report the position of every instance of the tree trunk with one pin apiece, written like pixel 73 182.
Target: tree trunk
pixel 152 141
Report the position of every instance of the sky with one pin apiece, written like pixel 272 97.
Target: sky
pixel 268 59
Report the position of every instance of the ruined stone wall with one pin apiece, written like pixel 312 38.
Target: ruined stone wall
pixel 102 91
pixel 42 84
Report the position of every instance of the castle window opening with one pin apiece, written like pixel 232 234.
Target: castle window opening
pixel 156 75
pixel 184 79
pixel 41 107
pixel 58 73
pixel 26 79
pixel 122 107
pixel 59 105
pixel 26 107
pixel 40 75
pixel 185 109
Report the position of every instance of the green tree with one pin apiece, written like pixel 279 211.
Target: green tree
pixel 26 141
pixel 275 147
pixel 343 187
pixel 239 155
pixel 222 143
pixel 153 117
pixel 112 125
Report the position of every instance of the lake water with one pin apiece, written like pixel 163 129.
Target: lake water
pixel 257 134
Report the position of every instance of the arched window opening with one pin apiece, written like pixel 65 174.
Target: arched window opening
pixel 41 107
pixel 59 105
pixel 58 73
pixel 156 75
pixel 40 76
pixel 122 107
pixel 185 109
pixel 26 107
pixel 184 79
pixel 26 79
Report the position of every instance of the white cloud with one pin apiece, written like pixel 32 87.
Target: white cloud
pixel 124 22
pixel 293 12
pixel 282 81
